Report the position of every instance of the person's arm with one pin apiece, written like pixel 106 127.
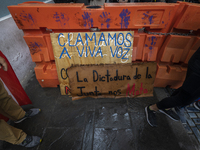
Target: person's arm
pixel 3 63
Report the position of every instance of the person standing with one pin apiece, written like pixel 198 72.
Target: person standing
pixel 9 108
pixel 183 96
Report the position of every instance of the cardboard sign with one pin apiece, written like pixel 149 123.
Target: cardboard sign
pixel 90 48
pixel 120 80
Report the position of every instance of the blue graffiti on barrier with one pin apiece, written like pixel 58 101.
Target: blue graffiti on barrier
pixel 34 47
pixel 105 19
pixel 61 17
pixel 168 19
pixel 153 40
pixel 125 18
pixel 27 17
pixel 148 18
pixel 87 21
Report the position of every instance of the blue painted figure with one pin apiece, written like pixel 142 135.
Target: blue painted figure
pixel 125 18
pixel 148 18
pixel 34 47
pixel 61 17
pixel 27 17
pixel 105 19
pixel 87 21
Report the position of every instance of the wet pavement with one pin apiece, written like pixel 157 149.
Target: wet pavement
pixel 99 124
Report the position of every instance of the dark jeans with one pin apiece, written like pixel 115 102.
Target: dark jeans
pixel 189 91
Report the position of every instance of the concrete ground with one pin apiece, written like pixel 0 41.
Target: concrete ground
pixel 99 124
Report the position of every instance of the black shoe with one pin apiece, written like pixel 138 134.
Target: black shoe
pixel 30 113
pixel 197 105
pixel 31 141
pixel 170 113
pixel 151 117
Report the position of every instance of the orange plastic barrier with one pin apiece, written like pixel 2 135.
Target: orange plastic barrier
pixel 178 49
pixel 192 50
pixel 168 75
pixel 46 74
pixel 38 20
pixel 80 18
pixel 146 47
pixel 38 48
pixel 110 16
pixel 49 45
pixel 189 18
pixel 39 44
pixel 151 47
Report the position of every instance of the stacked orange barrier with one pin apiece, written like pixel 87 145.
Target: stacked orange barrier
pixel 38 20
pixel 46 74
pixel 178 49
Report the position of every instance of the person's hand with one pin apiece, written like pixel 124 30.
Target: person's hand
pixel 3 63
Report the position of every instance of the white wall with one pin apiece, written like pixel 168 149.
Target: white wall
pixel 14 47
